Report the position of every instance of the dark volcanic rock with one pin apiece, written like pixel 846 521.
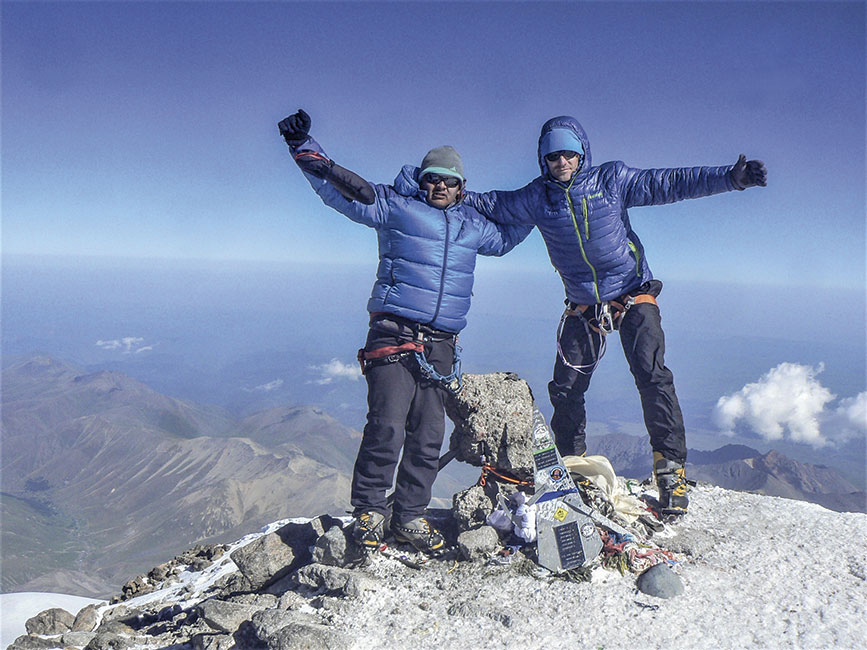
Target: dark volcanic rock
pixel 493 417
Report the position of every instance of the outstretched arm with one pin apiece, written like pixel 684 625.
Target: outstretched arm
pixel 499 239
pixel 658 186
pixel 337 186
pixel 512 207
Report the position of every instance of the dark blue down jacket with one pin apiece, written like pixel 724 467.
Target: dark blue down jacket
pixel 427 256
pixel 584 222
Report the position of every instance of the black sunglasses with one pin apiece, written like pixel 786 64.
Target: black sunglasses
pixel 434 179
pixel 554 156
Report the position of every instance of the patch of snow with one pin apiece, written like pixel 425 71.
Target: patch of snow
pixel 17 607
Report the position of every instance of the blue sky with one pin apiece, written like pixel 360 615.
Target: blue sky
pixel 148 129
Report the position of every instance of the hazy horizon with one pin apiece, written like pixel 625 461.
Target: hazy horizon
pixel 251 336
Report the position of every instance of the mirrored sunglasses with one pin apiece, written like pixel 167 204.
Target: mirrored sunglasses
pixel 434 179
pixel 554 156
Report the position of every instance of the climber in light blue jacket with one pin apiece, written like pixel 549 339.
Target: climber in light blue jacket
pixel 428 242
pixel 581 212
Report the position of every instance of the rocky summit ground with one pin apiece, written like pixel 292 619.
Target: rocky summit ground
pixel 757 572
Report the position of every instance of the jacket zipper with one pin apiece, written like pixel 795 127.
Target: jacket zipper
pixel 443 273
pixel 580 241
pixel 637 254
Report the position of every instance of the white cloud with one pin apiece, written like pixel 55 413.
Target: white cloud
pixel 849 419
pixel 127 345
pixel 789 402
pixel 336 369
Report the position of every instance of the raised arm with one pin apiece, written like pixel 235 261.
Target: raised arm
pixel 658 186
pixel 498 239
pixel 338 187
pixel 507 207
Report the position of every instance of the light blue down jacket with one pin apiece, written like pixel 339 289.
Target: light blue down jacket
pixel 585 223
pixel 427 256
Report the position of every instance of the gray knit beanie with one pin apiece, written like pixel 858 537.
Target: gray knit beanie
pixel 445 161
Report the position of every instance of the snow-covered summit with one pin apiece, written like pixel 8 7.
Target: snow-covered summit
pixel 758 572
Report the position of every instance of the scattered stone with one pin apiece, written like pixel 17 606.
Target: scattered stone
pixel 275 555
pixel 308 636
pixel 478 544
pixel 235 582
pixel 291 600
pixel 78 639
pixel 471 507
pixel 87 619
pixel 660 581
pixel 260 601
pixel 270 621
pixel 493 417
pixel 334 580
pixel 336 548
pixel 109 641
pixel 213 642
pixel 32 642
pixel 138 586
pixel 224 616
pixel 50 621
pixel 114 626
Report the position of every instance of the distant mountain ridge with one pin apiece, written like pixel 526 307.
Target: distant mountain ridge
pixel 739 467
pixel 103 476
pixel 123 475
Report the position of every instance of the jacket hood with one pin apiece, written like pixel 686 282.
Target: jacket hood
pixel 564 122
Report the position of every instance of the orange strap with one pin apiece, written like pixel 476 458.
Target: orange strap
pixel 486 469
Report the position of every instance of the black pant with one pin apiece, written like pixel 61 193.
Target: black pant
pixel 643 344
pixel 404 410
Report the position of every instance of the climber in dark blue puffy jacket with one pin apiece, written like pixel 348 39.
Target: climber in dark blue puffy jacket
pixel 581 212
pixel 428 242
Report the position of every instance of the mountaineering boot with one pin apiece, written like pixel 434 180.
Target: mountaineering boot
pixel 369 529
pixel 420 534
pixel 672 484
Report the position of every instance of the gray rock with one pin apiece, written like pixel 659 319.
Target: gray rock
pixel 114 626
pixel 308 636
pixel 224 616
pixel 660 581
pixel 33 642
pixel 213 642
pixel 109 641
pixel 336 548
pixel 50 621
pixel 471 507
pixel 273 556
pixel 87 619
pixel 270 621
pixel 78 639
pixel 493 417
pixel 478 543
pixel 291 600
pixel 344 582
pixel 260 601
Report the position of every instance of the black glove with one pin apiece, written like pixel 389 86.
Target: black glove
pixel 295 128
pixel 747 173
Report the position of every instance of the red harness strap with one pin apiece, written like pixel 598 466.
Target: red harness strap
pixel 387 351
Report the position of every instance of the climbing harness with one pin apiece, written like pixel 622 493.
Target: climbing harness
pixel 605 318
pixel 451 382
pixel 393 353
